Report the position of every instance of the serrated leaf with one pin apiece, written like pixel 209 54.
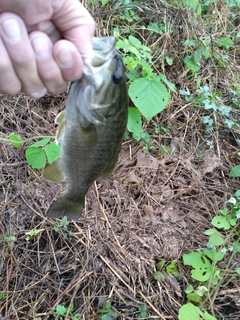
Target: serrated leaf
pixel 41 143
pixel 188 311
pixel 235 172
pixel 149 96
pixel 35 157
pixel 15 140
pixel 52 151
pixel 134 41
pixel 221 223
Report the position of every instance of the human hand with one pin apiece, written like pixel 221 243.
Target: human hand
pixel 41 42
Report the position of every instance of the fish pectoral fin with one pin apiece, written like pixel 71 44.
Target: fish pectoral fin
pixel 89 136
pixel 54 172
pixel 61 117
pixel 66 207
pixel 107 172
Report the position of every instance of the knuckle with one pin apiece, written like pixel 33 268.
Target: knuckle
pixel 22 60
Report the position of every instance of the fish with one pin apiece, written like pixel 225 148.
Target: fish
pixel 90 129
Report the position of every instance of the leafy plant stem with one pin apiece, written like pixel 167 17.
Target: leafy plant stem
pixel 29 139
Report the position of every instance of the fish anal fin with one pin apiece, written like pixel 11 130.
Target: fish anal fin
pixel 107 172
pixel 54 172
pixel 65 207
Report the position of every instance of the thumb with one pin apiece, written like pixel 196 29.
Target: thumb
pixel 75 24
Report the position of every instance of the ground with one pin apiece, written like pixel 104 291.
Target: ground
pixel 155 206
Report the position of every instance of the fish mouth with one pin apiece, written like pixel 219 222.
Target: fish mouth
pixel 103 45
pixel 104 50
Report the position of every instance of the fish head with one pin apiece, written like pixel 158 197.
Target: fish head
pixel 103 83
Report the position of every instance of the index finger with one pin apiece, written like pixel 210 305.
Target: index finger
pixel 75 24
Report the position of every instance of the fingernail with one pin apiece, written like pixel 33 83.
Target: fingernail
pixel 41 47
pixel 12 30
pixel 65 58
pixel 37 95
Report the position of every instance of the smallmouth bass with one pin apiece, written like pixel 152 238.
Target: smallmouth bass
pixel 91 128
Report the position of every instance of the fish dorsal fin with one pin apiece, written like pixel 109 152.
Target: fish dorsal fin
pixel 54 172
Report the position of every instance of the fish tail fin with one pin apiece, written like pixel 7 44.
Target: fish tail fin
pixel 65 207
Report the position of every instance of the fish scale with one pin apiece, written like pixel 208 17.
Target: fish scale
pixel 91 128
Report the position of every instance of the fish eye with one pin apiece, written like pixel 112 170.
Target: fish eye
pixel 116 78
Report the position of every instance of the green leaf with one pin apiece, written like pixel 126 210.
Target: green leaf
pixel 149 96
pixel 201 290
pixel 169 61
pixel 237 193
pixel 216 239
pixel 168 83
pixel 15 140
pixel 209 232
pixel 35 157
pixel 193 297
pixel 143 311
pixel 213 254
pixel 52 151
pixel 158 276
pixel 134 124
pixel 221 223
pixel 201 274
pixel 235 172
pixel 193 259
pixel 202 266
pixel 191 43
pixel 61 309
pixel 237 271
pixel 104 2
pixel 134 41
pixel 41 143
pixel 189 311
pixel 224 42
pixel 191 64
pixel 189 289
pixel 207 316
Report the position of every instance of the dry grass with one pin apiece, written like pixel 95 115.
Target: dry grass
pixel 153 207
